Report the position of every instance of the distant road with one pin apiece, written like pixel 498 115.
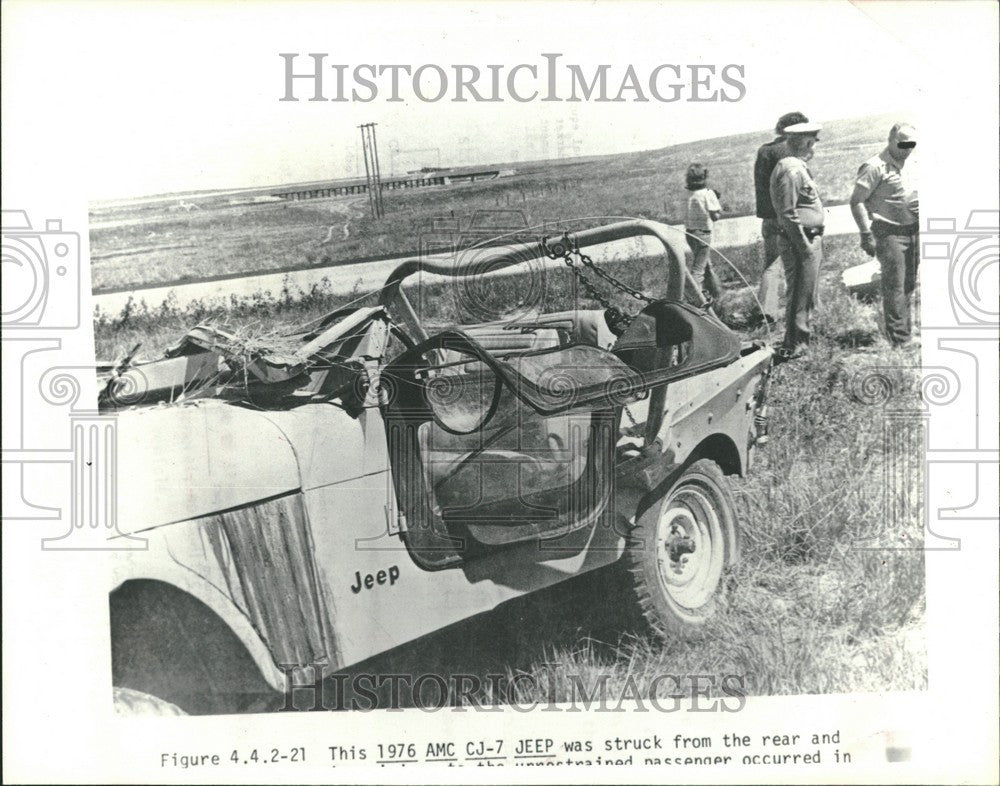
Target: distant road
pixel 366 276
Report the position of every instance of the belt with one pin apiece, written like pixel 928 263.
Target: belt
pixel 811 233
pixel 885 228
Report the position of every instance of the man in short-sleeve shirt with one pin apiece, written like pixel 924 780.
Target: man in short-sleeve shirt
pixel 768 155
pixel 800 216
pixel 885 208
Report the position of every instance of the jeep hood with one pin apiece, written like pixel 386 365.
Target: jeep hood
pixel 184 461
pixel 180 462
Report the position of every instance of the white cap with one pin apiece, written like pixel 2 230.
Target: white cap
pixel 804 128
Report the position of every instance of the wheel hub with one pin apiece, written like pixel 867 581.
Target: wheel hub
pixel 679 545
pixel 680 555
pixel 691 550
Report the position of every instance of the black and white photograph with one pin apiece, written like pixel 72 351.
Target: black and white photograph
pixel 415 391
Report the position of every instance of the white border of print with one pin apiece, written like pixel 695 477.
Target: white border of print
pixel 58 723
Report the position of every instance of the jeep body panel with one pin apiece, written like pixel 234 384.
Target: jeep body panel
pixel 180 462
pixel 246 572
pixel 285 519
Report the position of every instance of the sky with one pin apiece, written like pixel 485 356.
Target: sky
pixel 167 97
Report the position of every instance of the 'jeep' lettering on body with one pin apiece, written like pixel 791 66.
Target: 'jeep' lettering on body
pixel 371 579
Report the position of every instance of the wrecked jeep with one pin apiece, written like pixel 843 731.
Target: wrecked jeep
pixel 310 503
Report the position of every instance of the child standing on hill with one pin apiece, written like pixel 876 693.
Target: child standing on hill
pixel 703 210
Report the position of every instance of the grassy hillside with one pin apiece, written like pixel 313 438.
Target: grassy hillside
pixel 169 244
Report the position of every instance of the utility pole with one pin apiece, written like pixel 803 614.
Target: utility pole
pixel 373 172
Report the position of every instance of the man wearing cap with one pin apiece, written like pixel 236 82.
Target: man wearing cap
pixel 800 241
pixel 884 205
pixel 768 155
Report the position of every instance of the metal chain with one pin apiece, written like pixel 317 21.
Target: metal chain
pixel 618 321
pixel 615 282
pixel 588 285
pixel 567 256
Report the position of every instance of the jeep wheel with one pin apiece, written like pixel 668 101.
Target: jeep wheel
pixel 680 548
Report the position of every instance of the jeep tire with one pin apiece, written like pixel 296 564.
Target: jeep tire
pixel 679 550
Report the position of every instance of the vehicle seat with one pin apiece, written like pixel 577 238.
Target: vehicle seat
pixel 578 326
pixel 499 339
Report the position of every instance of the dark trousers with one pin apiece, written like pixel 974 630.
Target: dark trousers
pixel 897 250
pixel 801 289
pixel 772 276
pixel 699 241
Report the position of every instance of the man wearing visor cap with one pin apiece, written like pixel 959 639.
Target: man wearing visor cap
pixel 884 205
pixel 800 223
pixel 768 155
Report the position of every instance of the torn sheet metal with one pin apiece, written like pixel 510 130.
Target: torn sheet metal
pixel 265 552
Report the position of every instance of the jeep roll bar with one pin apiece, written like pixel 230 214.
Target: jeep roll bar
pixel 493 259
